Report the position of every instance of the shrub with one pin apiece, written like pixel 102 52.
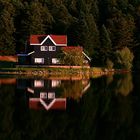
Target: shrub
pixel 124 58
pixel 109 64
pixel 72 57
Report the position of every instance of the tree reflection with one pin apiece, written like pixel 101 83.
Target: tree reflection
pixel 7 109
pixel 107 115
pixel 124 84
pixel 73 88
pixel 105 112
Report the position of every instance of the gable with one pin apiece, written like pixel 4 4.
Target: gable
pixel 58 40
pixel 48 42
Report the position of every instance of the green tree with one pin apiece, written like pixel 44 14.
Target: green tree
pixel 123 5
pixel 124 58
pixel 7 44
pixel 38 18
pixel 19 21
pixel 106 45
pixel 72 57
pixel 121 29
pixel 84 32
pixel 136 49
pixel 62 18
pixel 95 12
pixel 31 18
pixel 71 6
pixel 81 29
pixel 92 37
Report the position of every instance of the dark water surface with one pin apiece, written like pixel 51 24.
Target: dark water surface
pixel 105 108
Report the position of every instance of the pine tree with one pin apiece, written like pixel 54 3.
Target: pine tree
pixel 106 45
pixel 121 30
pixel 32 18
pixel 7 45
pixel 92 41
pixel 62 18
pixel 19 21
pixel 136 49
pixel 38 17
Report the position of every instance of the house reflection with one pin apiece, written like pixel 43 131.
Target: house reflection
pixel 51 94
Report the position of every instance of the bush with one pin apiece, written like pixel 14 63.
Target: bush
pixel 109 64
pixel 72 57
pixel 124 58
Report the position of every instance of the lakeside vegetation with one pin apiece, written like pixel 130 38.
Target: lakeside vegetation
pixel 63 72
pixel 108 30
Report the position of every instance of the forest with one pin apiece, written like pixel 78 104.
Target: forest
pixel 108 30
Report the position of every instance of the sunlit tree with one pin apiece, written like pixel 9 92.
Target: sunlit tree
pixel 124 58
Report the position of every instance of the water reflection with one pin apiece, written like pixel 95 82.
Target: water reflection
pixel 51 93
pixel 105 108
pixel 122 84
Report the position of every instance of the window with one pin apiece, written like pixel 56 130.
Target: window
pixel 55 61
pixel 43 95
pixel 44 48
pixel 39 60
pixel 51 95
pixel 85 61
pixel 48 48
pixel 52 48
pixel 56 83
pixel 39 83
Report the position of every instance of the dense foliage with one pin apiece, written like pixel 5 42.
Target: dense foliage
pixel 72 57
pixel 102 27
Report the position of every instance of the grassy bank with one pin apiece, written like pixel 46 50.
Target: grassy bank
pixel 93 72
pixel 81 72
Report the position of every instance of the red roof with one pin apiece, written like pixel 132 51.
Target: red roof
pixel 59 104
pixel 73 48
pixel 8 58
pixel 56 39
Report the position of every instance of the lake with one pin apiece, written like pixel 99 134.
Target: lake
pixel 70 108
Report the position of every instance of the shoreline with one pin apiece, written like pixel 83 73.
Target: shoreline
pixel 92 72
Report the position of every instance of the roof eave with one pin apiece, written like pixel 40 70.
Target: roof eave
pixel 86 56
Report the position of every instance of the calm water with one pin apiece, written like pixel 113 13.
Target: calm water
pixel 106 108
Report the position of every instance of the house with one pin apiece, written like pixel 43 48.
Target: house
pixel 46 50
